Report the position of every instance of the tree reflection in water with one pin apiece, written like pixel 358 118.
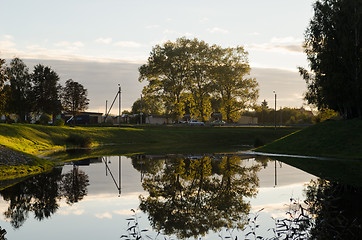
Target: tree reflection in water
pixel 189 197
pixel 336 209
pixel 40 194
pixel 74 185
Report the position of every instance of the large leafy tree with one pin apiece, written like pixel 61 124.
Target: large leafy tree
pixel 46 90
pixel 20 83
pixel 190 76
pixel 166 72
pixel 333 47
pixel 233 87
pixel 199 83
pixel 74 97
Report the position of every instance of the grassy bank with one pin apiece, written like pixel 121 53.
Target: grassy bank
pixel 336 139
pixel 15 164
pixel 343 171
pixel 35 139
pixel 26 139
pixel 35 167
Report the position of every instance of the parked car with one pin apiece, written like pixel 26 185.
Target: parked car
pixel 217 123
pixel 196 123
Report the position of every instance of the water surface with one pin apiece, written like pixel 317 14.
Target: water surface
pixel 208 197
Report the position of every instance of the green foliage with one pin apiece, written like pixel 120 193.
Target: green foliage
pixel 232 86
pixel 74 97
pixel 190 76
pixel 325 114
pixel 333 47
pixel 283 116
pixel 4 92
pixel 79 140
pixel 38 91
pixel 59 122
pixel 45 119
pixel 46 90
pixel 20 101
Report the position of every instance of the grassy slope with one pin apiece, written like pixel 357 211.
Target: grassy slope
pixel 337 139
pixel 37 139
pixel 35 167
pixel 33 139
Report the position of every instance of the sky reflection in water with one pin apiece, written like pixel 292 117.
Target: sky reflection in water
pixel 100 212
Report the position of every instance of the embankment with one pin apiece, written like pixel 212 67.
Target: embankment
pixel 335 139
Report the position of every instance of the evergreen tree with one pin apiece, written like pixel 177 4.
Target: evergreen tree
pixel 20 84
pixel 333 47
pixel 46 90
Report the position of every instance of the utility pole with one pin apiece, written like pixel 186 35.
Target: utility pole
pixel 106 112
pixel 119 105
pixel 275 110
pixel 141 109
pixel 275 173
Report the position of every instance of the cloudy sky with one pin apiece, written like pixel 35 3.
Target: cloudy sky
pixel 101 43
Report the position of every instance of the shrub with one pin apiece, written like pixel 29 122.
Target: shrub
pixel 45 119
pixel 79 140
pixel 59 122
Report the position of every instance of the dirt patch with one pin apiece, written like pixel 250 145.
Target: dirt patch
pixel 9 157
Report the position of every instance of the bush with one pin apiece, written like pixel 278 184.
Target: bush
pixel 45 119
pixel 59 122
pixel 79 140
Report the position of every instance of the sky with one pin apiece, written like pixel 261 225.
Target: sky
pixel 102 43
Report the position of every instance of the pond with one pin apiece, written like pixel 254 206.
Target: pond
pixel 217 196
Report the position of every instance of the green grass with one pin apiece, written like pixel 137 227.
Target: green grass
pixel 34 167
pixel 336 139
pixel 36 139
pixel 127 140
pixel 347 171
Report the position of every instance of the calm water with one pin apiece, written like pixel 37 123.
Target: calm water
pixel 209 197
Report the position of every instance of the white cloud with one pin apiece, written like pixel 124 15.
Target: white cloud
pixel 294 48
pixel 6 44
pixel 205 19
pixel 70 210
pixel 125 212
pixel 285 40
pixel 9 37
pixel 217 30
pixel 152 26
pixel 104 215
pixel 286 44
pixel 72 46
pixel 128 44
pixel 167 31
pixel 254 34
pixel 104 40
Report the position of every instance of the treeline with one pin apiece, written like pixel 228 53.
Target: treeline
pixel 23 92
pixel 287 115
pixel 282 116
pixel 192 77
